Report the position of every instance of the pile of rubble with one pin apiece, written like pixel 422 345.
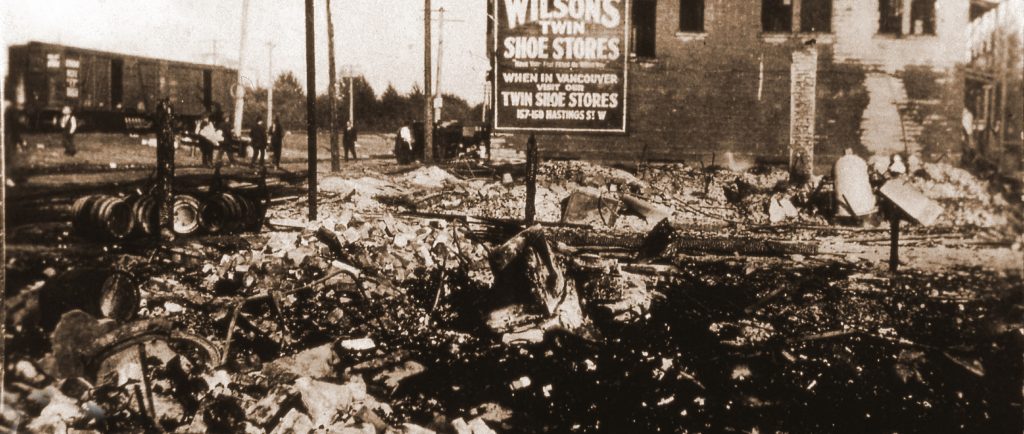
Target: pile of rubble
pixel 420 296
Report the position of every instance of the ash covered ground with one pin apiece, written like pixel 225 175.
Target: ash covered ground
pixel 678 299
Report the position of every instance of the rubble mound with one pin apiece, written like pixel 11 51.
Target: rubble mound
pixel 590 175
pixel 967 200
pixel 429 177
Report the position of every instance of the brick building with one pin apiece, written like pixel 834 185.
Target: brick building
pixel 757 77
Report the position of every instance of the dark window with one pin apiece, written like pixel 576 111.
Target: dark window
pixel 116 82
pixel 816 16
pixel 644 23
pixel 922 17
pixel 691 15
pixel 890 17
pixel 777 15
pixel 207 88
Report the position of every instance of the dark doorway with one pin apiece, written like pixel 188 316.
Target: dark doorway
pixel 116 82
pixel 207 88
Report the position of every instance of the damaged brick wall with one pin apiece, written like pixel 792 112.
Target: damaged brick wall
pixel 728 88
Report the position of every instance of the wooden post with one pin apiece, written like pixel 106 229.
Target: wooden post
pixel 311 109
pixel 428 104
pixel 165 168
pixel 332 93
pixel 894 240
pixel 531 178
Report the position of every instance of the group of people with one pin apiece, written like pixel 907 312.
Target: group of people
pixel 223 139
pixel 211 132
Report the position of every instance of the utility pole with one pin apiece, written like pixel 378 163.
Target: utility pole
pixel 349 72
pixel 428 109
pixel 239 89
pixel 270 88
pixel 332 93
pixel 311 109
pixel 440 55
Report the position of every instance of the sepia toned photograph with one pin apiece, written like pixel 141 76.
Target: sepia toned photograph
pixel 512 216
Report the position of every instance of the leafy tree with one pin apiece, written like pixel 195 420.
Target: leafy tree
pixel 367 113
pixel 289 102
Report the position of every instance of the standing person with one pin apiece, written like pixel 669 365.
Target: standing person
pixel 12 122
pixel 208 137
pixel 226 146
pixel 349 140
pixel 68 127
pixel 403 145
pixel 259 142
pixel 276 141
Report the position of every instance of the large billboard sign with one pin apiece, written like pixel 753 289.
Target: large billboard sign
pixel 561 65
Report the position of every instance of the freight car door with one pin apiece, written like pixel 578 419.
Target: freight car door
pixel 116 82
pixel 207 88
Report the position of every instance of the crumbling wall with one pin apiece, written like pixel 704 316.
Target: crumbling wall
pixel 935 101
pixel 857 38
pixel 728 89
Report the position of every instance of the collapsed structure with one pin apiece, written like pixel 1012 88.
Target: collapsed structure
pixel 421 301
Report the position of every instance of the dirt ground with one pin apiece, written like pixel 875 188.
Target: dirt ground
pixel 380 315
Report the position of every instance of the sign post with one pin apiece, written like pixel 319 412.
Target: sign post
pixel 559 66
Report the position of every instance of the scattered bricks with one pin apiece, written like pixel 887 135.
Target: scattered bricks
pixel 589 206
pixel 323 400
pixel 60 413
pixel 478 426
pixel 461 427
pixel 315 362
pixel 27 372
pixel 781 209
pixel 294 422
pixel 273 406
pixel 409 428
pixel 361 344
pixel 394 376
pixel 368 416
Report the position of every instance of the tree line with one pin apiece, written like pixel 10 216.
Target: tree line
pixel 384 113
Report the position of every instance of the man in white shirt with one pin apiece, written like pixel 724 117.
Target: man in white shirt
pixel 68 126
pixel 403 145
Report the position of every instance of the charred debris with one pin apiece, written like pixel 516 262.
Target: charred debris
pixel 666 298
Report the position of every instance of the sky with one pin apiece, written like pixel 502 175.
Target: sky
pixel 382 38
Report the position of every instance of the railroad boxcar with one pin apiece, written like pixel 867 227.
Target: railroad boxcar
pixel 110 91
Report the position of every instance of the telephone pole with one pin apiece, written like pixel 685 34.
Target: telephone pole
pixel 428 105
pixel 438 94
pixel 270 87
pixel 239 89
pixel 440 56
pixel 332 93
pixel 349 72
pixel 311 110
